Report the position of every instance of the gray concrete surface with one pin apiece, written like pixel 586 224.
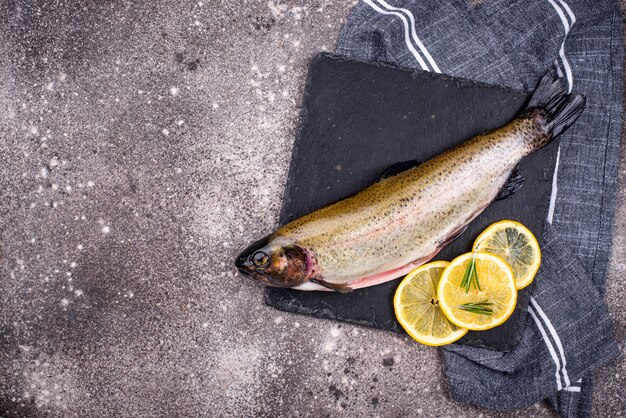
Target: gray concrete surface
pixel 142 147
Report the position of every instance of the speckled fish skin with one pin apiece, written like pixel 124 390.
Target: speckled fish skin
pixel 402 221
pixel 409 217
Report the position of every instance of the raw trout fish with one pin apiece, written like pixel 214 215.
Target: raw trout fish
pixel 406 218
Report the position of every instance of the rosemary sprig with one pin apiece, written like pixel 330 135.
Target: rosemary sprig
pixel 481 308
pixel 471 276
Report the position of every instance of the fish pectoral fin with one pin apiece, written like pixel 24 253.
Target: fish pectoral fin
pixel 398 168
pixel 337 287
pixel 513 184
pixel 452 237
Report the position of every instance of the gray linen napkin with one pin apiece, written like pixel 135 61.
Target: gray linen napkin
pixel 513 43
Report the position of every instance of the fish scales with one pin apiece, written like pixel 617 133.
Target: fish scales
pixel 404 220
pixel 400 218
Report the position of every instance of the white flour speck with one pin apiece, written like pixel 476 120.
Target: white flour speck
pixel 278 10
pixel 329 346
pixel 64 302
pixel 174 91
pixel 106 229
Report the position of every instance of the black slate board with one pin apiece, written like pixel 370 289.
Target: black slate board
pixel 358 119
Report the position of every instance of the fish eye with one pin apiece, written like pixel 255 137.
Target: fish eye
pixel 260 259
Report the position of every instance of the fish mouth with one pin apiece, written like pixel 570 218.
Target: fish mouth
pixel 244 263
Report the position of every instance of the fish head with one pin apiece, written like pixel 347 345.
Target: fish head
pixel 275 263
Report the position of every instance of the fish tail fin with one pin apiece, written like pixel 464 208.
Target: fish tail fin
pixel 557 108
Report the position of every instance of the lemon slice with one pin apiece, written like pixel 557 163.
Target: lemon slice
pixel 417 309
pixel 517 245
pixel 496 298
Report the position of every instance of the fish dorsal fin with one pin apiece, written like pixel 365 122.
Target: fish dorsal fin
pixel 337 287
pixel 513 184
pixel 398 168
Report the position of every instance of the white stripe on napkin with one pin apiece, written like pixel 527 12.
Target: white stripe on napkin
pixel 555 336
pixel 416 39
pixel 555 358
pixel 570 83
pixel 407 39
